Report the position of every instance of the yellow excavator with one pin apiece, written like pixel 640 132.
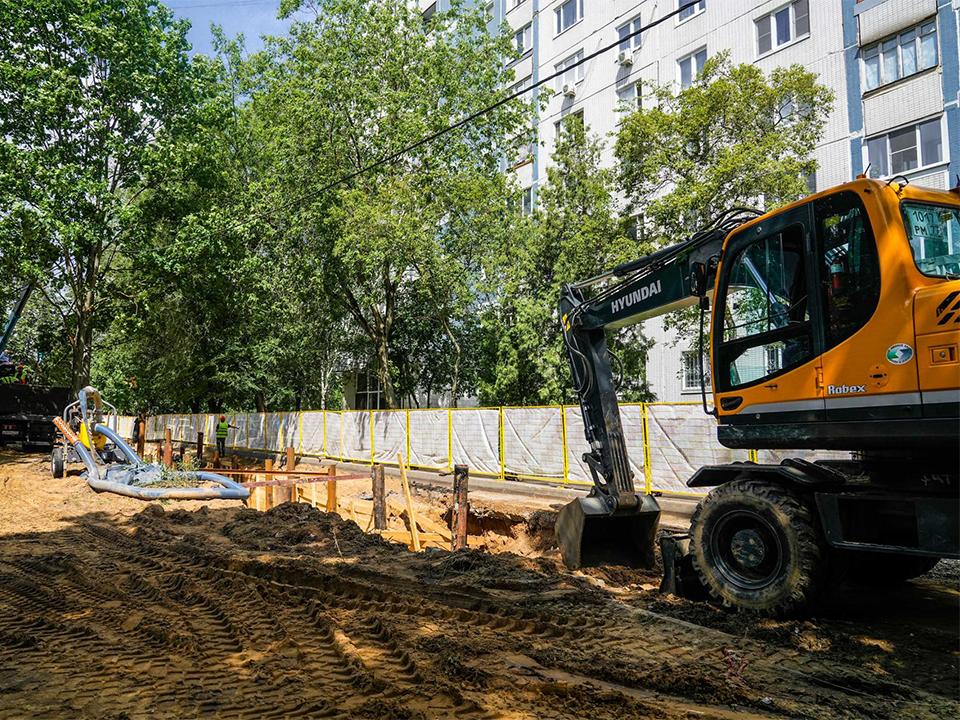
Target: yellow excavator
pixel 834 324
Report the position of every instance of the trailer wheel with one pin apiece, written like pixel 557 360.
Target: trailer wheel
pixel 882 569
pixel 56 462
pixel 757 548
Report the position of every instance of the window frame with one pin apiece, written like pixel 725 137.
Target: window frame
pixel 636 41
pixel 698 10
pixel 526 32
pixel 636 100
pixel 694 74
pixel 916 263
pixel 888 157
pixel 562 65
pixel 875 49
pixel 693 356
pixel 558 16
pixel 792 26
pixel 797 220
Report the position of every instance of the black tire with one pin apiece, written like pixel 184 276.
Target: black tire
pixel 883 569
pixel 757 548
pixel 56 462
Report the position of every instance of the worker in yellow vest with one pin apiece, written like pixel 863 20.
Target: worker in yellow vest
pixel 19 377
pixel 223 429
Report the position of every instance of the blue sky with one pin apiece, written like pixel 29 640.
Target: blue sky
pixel 253 18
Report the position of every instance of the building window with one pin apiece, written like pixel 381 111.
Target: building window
pixel 691 66
pixel 522 85
pixel 566 120
pixel 429 13
pixel 526 201
pixel 906 149
pixel 628 99
pixel 782 26
pixel 569 14
pixel 689 12
pixel 368 395
pixel 523 39
pixel 903 55
pixel 626 42
pixel 516 3
pixel 634 227
pixel 690 379
pixel 570 74
pixel 489 11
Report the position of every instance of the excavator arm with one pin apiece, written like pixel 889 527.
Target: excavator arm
pixel 615 524
pixel 15 316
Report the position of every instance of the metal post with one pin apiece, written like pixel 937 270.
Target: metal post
pixel 200 449
pixel 379 498
pixel 461 506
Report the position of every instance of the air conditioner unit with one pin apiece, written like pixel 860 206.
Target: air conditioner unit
pixel 570 90
pixel 625 58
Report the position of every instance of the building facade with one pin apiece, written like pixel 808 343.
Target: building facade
pixel 893 65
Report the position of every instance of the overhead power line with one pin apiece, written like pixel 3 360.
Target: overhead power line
pixel 448 129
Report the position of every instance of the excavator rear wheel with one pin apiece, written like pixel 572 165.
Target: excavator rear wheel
pixel 757 548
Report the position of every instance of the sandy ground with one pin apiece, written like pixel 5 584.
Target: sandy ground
pixel 111 608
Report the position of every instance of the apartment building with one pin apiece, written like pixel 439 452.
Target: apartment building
pixel 892 65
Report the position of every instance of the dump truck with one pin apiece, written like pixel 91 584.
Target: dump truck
pixel 832 324
pixel 25 409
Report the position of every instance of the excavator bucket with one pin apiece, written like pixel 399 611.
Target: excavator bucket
pixel 589 535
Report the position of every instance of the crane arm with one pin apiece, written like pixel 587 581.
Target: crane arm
pixel 15 316
pixel 669 279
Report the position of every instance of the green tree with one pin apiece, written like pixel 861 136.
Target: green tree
pixel 412 228
pixel 735 137
pixel 573 235
pixel 93 90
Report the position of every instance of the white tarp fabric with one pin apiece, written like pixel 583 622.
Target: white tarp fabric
pixel 389 435
pixel 311 433
pixel 631 418
pixel 291 431
pixel 356 436
pixel 774 457
pixel 429 442
pixel 273 438
pixel 533 442
pixel 333 434
pixel 476 439
pixel 256 432
pixel 125 426
pixel 241 434
pixel 683 438
pixel 577 470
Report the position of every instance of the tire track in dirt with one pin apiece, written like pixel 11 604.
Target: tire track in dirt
pixel 151 617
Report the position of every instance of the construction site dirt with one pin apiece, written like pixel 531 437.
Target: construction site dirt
pixel 113 608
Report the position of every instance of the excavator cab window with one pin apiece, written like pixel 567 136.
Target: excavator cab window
pixel 849 265
pixel 766 315
pixel 934 234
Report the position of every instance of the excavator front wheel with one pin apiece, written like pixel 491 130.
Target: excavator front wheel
pixel 757 548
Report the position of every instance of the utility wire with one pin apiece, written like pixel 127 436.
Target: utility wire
pixel 444 131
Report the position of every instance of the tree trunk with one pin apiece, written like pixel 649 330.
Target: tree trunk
pixel 383 370
pixel 81 350
pixel 260 401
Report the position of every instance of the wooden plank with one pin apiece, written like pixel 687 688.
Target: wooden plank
pixel 414 533
pixel 461 506
pixel 425 523
pixel 405 535
pixel 379 493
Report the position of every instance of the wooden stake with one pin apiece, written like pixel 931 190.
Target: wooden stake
pixel 414 535
pixel 141 437
pixel 332 491
pixel 379 498
pixel 291 458
pixel 200 449
pixel 461 506
pixel 168 448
